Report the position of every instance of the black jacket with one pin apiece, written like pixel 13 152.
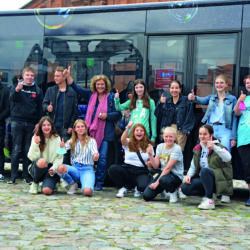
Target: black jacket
pixel 4 104
pixel 70 109
pixel 26 105
pixel 185 116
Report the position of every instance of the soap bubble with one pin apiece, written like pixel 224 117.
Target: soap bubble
pixel 63 16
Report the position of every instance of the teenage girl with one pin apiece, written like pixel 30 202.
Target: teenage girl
pixel 142 107
pixel 83 154
pixel 169 157
pixel 220 115
pixel 210 170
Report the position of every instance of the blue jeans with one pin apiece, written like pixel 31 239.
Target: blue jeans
pixel 101 164
pixel 224 134
pixel 2 158
pixel 21 133
pixel 81 174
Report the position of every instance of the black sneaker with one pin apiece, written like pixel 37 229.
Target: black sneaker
pixel 27 180
pixel 11 181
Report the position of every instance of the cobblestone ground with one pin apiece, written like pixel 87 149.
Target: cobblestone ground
pixel 64 221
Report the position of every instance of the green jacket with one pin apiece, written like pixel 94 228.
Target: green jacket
pixel 222 170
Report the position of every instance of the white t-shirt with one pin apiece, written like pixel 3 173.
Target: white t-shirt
pixel 175 153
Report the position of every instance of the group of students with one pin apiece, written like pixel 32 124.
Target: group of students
pixel 210 171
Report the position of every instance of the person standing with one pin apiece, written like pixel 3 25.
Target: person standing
pixel 60 102
pixel 26 110
pixel 4 112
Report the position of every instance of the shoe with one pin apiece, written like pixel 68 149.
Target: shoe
pixel 11 181
pixel 34 188
pixel 181 195
pixel 64 185
pixel 214 197
pixel 248 203
pixel 27 180
pixel 225 199
pixel 1 177
pixel 173 197
pixel 98 187
pixel 165 195
pixel 72 188
pixel 207 204
pixel 137 193
pixel 121 193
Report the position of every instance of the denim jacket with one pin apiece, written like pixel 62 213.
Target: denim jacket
pixel 229 115
pixel 185 116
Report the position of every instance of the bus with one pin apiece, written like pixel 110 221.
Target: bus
pixel 191 41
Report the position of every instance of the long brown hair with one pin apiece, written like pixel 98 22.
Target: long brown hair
pixel 133 143
pixel 39 131
pixel 134 97
pixel 74 137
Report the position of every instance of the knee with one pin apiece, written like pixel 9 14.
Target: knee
pixel 42 163
pixel 62 169
pixel 87 191
pixel 146 197
pixel 205 172
pixel 47 191
pixel 185 189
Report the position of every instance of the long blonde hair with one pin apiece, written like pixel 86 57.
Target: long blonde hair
pixel 74 137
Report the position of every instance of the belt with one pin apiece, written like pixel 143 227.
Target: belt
pixel 217 123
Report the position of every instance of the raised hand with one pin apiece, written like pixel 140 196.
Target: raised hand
pixel 117 94
pixel 50 107
pixel 19 86
pixel 242 97
pixel 163 98
pixel 96 156
pixel 37 139
pixel 62 144
pixel 191 96
pixel 150 151
pixel 130 124
pixel 210 144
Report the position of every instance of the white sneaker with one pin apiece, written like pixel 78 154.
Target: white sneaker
pixel 165 195
pixel 33 188
pixel 72 188
pixel 122 192
pixel 1 177
pixel 173 197
pixel 207 204
pixel 181 195
pixel 137 193
pixel 225 199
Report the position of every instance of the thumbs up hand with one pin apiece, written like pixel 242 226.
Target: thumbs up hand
pixel 62 144
pixel 37 139
pixel 117 94
pixel 50 107
pixel 191 96
pixel 163 98
pixel 19 86
pixel 242 97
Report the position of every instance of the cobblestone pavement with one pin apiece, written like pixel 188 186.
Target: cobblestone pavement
pixel 64 221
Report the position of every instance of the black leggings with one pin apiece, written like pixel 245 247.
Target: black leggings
pixel 169 182
pixel 203 185
pixel 244 152
pixel 128 175
pixel 42 175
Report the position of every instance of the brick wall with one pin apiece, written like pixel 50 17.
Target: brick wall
pixel 73 3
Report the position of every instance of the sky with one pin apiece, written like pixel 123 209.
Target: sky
pixel 12 4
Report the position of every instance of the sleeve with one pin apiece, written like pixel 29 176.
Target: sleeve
pixel 113 114
pixel 58 159
pixel 5 105
pixel 191 170
pixel 158 150
pixel 189 118
pixel 158 111
pixel 123 106
pixel 85 93
pixel 40 104
pixel 153 121
pixel 67 145
pixel 47 100
pixel 14 96
pixel 34 151
pixel 234 122
pixel 223 153
pixel 203 100
pixel 75 112
pixel 93 146
pixel 176 154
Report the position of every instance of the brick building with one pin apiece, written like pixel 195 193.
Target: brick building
pixel 33 4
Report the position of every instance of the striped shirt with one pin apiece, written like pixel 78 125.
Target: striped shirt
pixel 83 155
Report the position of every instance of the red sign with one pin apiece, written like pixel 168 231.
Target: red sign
pixel 163 78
